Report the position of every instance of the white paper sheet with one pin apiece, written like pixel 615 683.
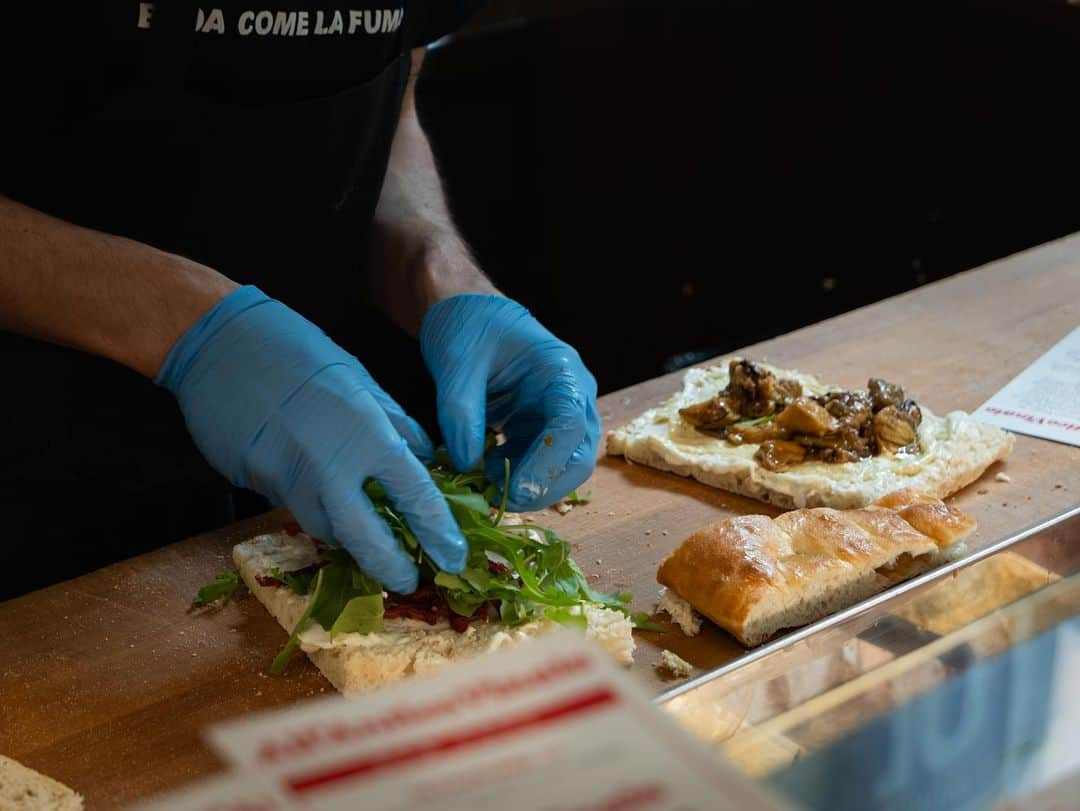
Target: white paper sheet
pixel 549 724
pixel 1044 399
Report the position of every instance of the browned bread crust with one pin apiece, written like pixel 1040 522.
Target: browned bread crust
pixel 753 575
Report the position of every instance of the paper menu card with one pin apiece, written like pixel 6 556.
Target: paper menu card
pixel 1044 399
pixel 547 724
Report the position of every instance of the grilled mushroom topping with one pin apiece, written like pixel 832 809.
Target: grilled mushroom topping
pixel 757 392
pixel 853 408
pixel 759 408
pixel 883 393
pixel 777 454
pixel 711 415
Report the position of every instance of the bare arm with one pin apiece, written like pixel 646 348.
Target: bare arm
pixel 417 255
pixel 96 292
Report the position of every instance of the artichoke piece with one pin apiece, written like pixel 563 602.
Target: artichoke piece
pixel 804 416
pixel 777 454
pixel 895 426
pixel 755 434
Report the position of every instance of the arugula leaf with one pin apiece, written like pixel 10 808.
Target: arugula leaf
pixel 364 585
pixel 642 622
pixel 472 501
pixel 221 588
pixel 328 603
pixel 752 423
pixel 336 586
pixel 505 494
pixel 574 498
pixel 515 612
pixel 564 616
pixel 361 615
pixel 297 583
pixel 282 659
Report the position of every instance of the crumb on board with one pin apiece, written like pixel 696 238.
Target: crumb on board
pixel 1002 477
pixel 563 507
pixel 680 611
pixel 674 665
pixel 982 491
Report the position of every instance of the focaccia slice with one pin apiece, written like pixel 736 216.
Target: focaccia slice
pixel 753 575
pixel 955 450
pixel 362 662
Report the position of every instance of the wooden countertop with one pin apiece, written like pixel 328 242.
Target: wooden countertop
pixel 107 680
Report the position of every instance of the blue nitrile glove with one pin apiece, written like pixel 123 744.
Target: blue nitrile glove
pixel 279 408
pixel 494 364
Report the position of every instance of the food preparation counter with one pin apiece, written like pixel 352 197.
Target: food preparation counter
pixel 108 679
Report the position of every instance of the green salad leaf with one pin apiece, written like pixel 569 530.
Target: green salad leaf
pixel 282 659
pixel 222 588
pixel 576 498
pixel 361 615
pixel 298 583
pixel 642 622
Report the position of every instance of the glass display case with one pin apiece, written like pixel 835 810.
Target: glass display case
pixel 961 693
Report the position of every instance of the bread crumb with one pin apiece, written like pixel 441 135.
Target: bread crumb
pixel 648 532
pixel 563 507
pixel 663 532
pixel 982 492
pixel 598 561
pixel 680 611
pixel 611 512
pixel 1002 477
pixel 674 665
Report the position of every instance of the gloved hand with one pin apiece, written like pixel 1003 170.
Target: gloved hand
pixel 279 408
pixel 495 365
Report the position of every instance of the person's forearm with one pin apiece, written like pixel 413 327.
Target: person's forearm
pixel 417 255
pixel 96 292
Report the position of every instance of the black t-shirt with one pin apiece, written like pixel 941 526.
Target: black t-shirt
pixel 250 136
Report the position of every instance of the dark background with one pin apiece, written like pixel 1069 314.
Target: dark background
pixel 656 179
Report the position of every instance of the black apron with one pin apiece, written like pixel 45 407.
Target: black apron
pixel 252 137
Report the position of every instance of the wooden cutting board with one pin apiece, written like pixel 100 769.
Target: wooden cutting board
pixel 107 680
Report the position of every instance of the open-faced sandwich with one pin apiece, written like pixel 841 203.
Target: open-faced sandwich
pixel 788 439
pixel 519 581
